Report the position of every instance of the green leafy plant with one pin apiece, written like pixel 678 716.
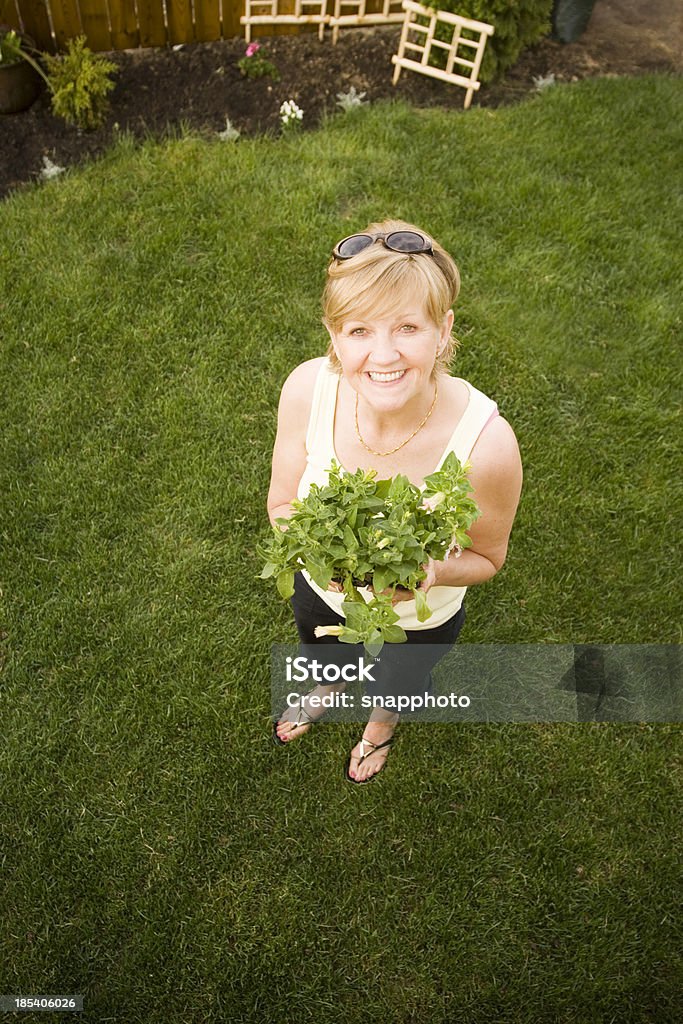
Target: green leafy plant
pixel 254 64
pixel 518 24
pixel 360 531
pixel 79 82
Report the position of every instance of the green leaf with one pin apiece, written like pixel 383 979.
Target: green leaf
pixel 394 634
pixel 285 583
pixel 374 643
pixel 320 574
pixel 350 539
pixel 421 607
pixel 381 579
pixel 349 636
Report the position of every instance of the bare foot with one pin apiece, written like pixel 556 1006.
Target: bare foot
pixel 365 761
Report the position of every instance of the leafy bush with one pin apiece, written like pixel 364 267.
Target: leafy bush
pixel 79 82
pixel 518 24
pixel 361 532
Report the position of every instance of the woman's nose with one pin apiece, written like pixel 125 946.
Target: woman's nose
pixel 384 350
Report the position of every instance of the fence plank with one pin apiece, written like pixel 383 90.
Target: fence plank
pixel 232 12
pixel 125 33
pixel 37 24
pixel 9 14
pixel 95 24
pixel 207 18
pixel 66 21
pixel 151 21
pixel 180 27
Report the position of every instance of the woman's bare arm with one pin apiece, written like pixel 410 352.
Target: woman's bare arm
pixel 289 450
pixel 496 477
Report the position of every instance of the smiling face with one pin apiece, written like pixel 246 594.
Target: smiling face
pixel 389 313
pixel 390 358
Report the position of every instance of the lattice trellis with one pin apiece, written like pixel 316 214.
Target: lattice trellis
pixel 267 12
pixel 475 40
pixel 392 11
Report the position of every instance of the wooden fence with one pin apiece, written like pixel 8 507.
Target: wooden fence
pixel 126 24
pixel 123 24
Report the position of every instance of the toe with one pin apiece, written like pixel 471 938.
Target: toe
pixel 287 730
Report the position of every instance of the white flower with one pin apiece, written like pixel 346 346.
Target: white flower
pixel 347 100
pixel 429 504
pixel 290 113
pixel 230 134
pixel 454 546
pixel 542 83
pixel 328 630
pixel 50 170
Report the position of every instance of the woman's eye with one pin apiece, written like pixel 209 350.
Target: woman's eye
pixel 357 331
pixel 408 327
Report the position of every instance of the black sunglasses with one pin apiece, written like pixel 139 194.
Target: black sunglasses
pixel 397 241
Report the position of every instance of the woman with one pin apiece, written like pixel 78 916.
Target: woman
pixel 382 398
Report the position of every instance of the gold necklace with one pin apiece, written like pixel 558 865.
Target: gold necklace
pixel 398 446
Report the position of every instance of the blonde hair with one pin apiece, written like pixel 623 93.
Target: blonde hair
pixel 373 281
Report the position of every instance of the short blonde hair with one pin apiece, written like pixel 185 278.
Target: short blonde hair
pixel 372 282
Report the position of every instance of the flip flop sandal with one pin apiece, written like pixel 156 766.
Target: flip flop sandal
pixel 302 718
pixel 361 758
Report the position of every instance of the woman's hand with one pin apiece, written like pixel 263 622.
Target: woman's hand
pixel 400 594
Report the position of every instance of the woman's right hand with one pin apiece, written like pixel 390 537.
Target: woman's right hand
pixel 335 587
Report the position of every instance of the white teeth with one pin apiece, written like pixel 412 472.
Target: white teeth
pixel 386 376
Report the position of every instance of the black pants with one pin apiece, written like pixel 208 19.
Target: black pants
pixel 402 669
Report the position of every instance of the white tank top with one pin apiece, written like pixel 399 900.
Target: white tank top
pixel 443 601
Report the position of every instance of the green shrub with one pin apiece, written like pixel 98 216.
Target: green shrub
pixel 79 82
pixel 518 24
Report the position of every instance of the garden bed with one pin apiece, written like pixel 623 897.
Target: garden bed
pixel 200 85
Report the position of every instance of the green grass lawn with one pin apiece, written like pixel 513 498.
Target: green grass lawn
pixel 159 854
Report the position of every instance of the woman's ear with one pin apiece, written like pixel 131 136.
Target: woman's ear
pixel 333 341
pixel 446 329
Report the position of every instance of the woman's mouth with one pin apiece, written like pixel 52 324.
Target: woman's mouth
pixel 385 378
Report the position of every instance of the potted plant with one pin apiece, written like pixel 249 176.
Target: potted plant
pixel 20 72
pixel 360 532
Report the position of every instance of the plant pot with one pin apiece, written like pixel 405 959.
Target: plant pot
pixel 19 86
pixel 570 19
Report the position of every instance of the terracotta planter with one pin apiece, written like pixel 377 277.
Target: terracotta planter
pixel 19 86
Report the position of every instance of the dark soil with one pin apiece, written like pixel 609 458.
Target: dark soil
pixel 200 85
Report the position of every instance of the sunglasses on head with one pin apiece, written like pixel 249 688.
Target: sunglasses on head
pixel 397 241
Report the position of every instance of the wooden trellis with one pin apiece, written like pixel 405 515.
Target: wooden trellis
pixel 477 34
pixel 267 12
pixel 392 11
